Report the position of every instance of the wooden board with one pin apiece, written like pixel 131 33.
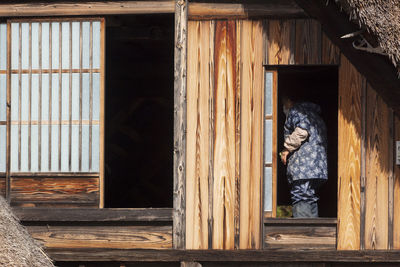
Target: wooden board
pixel 55 192
pixel 330 52
pixel 2 186
pixel 197 157
pixel 224 137
pixel 308 42
pixel 349 132
pixel 377 172
pixel 251 134
pixel 396 202
pixel 126 237
pixel 281 38
pixel 311 237
pixel 180 124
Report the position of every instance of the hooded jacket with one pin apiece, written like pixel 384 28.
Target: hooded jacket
pixel 309 160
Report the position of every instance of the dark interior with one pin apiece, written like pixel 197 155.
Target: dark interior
pixel 139 111
pixel 318 84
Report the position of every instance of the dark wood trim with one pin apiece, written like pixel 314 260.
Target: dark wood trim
pixel 271 255
pixel 296 221
pixel 93 215
pixel 8 127
pixel 275 8
pixel 267 9
pixel 180 73
pixel 381 74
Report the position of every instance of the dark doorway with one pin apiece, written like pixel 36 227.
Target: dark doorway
pixel 317 84
pixel 139 111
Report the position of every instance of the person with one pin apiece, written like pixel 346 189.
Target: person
pixel 305 154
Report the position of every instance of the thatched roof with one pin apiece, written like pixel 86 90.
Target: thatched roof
pixel 381 18
pixel 17 247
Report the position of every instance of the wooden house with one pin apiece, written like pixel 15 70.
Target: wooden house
pixel 141 133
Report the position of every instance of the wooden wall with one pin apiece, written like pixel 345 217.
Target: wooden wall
pixel 224 138
pixel 224 141
pixel 225 121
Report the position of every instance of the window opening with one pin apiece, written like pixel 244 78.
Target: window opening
pixel 318 84
pixel 139 111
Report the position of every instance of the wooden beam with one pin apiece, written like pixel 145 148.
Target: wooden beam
pixel 275 8
pixel 180 123
pixel 29 215
pixel 268 255
pixel 85 8
pixel 380 72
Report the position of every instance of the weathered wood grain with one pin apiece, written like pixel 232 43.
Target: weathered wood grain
pixel 126 237
pixel 251 134
pixel 237 135
pixel 281 38
pixel 298 256
pixel 308 42
pixel 349 131
pixel 197 157
pixel 312 237
pixel 45 215
pixel 396 200
pixel 330 52
pixel 243 10
pixel 224 139
pixel 2 187
pixel 180 124
pixel 53 191
pixel 377 172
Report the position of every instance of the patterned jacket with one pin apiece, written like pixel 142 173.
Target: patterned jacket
pixel 309 161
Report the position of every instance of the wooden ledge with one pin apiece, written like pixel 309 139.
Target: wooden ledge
pixel 270 255
pixel 93 215
pixel 300 222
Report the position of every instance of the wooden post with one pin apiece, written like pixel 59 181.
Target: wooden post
pixel 180 124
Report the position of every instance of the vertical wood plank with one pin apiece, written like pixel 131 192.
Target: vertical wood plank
pixel 251 135
pixel 224 139
pixel 19 93
pixel 363 160
pixel 274 144
pixel 211 135
pixel 391 179
pixel 180 74
pixel 281 36
pixel 80 94
pixel 330 52
pixel 237 135
pixel 377 170
pixel 308 42
pixel 349 131
pixel 396 200
pixel 197 157
pixel 102 109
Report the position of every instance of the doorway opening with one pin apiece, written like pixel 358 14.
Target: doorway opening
pixel 317 84
pixel 139 111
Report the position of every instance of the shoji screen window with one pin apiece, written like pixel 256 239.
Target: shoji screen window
pixel 55 80
pixel 270 129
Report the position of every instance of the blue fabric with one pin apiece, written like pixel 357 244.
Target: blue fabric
pixel 306 190
pixel 305 210
pixel 309 161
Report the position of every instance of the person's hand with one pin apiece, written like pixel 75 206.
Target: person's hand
pixel 284 154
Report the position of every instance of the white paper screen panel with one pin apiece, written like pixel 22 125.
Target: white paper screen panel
pixel 3 97
pixel 268 142
pixel 55 96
